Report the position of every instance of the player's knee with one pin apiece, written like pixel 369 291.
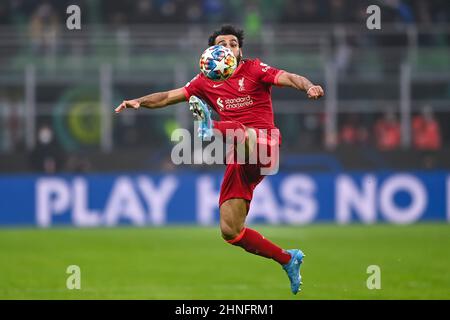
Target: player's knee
pixel 232 218
pixel 228 232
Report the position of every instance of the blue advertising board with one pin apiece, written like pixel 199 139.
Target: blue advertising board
pixel 192 198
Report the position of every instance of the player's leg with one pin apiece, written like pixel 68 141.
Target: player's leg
pixel 200 111
pixel 233 213
pixel 234 130
pixel 235 133
pixel 237 191
pixel 232 225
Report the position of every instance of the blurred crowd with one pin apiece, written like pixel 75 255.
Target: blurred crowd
pixel 50 157
pixel 386 132
pixel 215 11
pixel 44 20
pixel 383 133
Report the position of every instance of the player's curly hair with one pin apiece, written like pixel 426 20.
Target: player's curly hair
pixel 225 30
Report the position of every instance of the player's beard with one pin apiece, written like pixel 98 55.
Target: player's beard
pixel 239 57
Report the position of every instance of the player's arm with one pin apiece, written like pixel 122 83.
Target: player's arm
pixel 154 100
pixel 287 79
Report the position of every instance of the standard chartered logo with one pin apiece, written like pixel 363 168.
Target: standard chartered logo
pixel 235 103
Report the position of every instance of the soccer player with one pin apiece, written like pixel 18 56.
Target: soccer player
pixel 243 102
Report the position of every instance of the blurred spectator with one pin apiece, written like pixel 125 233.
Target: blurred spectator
pixel 270 10
pixel 78 164
pixel 12 121
pixel 145 12
pixel 348 134
pixel 170 11
pixel 4 12
pixel 387 132
pixel 306 11
pixel 426 131
pixel 219 11
pixel 47 156
pixel 352 132
pixel 19 11
pixel 44 28
pixel 401 10
pixel 215 10
pixel 193 11
pixel 252 20
pixel 291 12
pixel 423 11
pixel 338 11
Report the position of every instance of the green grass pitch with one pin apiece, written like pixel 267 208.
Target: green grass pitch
pixel 187 262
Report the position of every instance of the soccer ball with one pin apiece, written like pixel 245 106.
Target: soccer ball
pixel 218 63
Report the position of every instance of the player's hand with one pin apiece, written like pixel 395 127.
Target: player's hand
pixel 127 104
pixel 315 92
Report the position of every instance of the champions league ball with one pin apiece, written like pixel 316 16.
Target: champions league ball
pixel 218 63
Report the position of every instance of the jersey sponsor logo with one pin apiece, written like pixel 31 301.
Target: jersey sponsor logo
pixel 241 84
pixel 235 103
pixel 217 85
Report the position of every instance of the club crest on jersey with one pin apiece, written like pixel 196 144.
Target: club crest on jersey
pixel 241 84
pixel 266 67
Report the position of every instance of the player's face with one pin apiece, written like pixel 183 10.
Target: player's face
pixel 231 42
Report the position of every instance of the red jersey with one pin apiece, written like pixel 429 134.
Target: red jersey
pixel 244 97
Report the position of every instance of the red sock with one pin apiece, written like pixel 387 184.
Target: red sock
pixel 236 128
pixel 255 243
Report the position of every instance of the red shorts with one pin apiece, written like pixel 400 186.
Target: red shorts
pixel 241 179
